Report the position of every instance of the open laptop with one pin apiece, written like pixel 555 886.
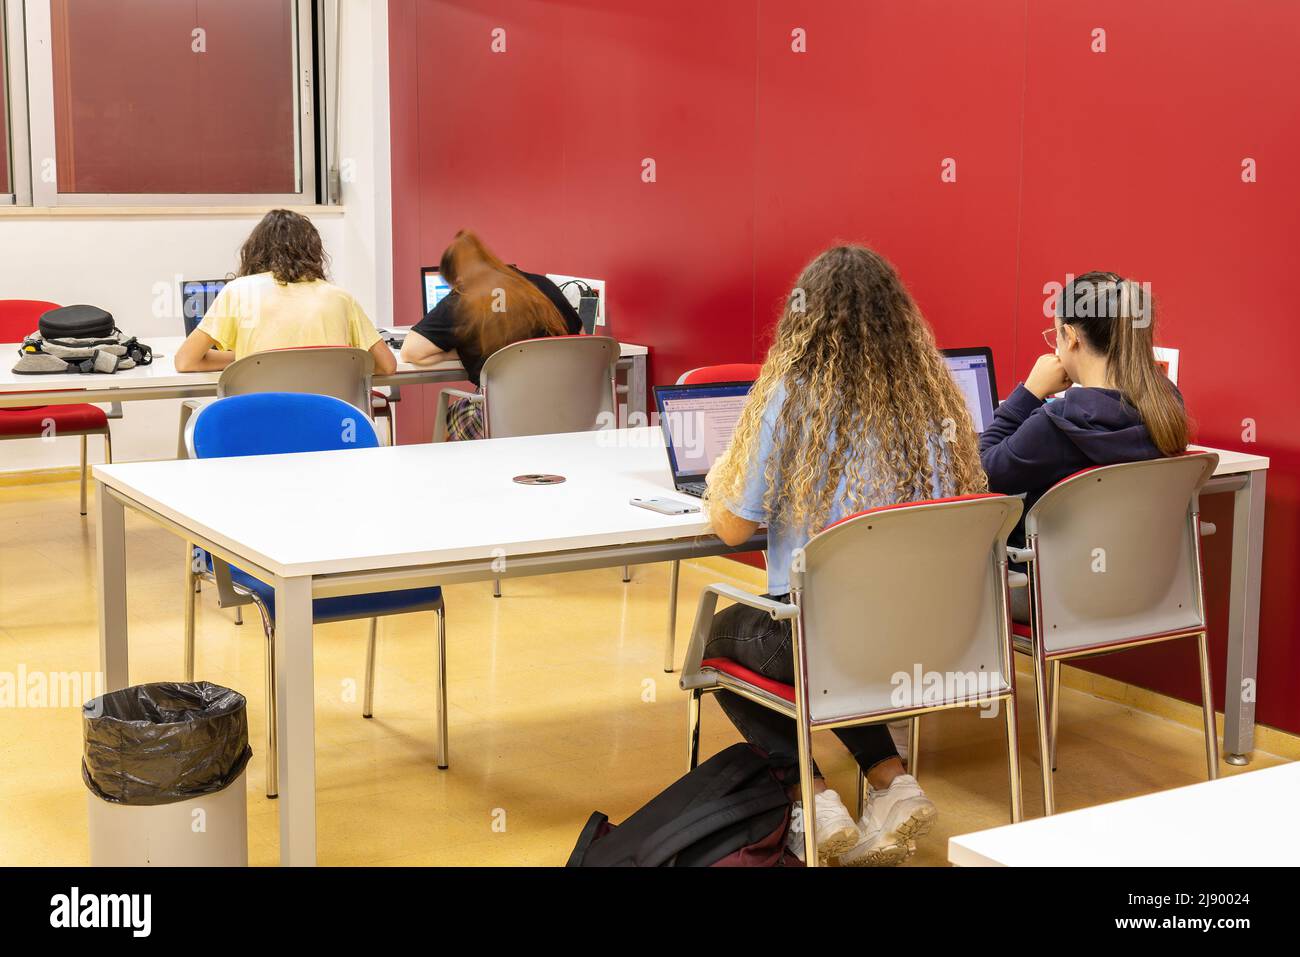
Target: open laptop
pixel 436 289
pixel 196 298
pixel 698 421
pixel 973 371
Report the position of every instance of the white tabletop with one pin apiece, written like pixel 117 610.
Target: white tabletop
pixel 309 513
pixel 1198 825
pixel 1231 463
pixel 162 373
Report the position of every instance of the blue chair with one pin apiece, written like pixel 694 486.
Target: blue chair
pixel 270 423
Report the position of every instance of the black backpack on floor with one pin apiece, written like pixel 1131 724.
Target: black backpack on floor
pixel 731 811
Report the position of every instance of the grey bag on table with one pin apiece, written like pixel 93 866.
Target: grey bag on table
pixel 41 356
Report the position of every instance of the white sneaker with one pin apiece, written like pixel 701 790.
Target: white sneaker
pixel 877 849
pixel 901 811
pixel 836 829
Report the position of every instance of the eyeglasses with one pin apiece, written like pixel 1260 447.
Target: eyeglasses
pixel 1049 336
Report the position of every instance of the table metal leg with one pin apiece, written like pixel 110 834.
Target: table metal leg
pixel 670 644
pixel 110 542
pixel 295 708
pixel 1243 619
pixel 636 379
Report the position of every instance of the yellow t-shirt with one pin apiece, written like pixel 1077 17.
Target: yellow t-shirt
pixel 256 313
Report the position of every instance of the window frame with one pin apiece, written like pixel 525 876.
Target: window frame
pixel 36 74
pixel 13 83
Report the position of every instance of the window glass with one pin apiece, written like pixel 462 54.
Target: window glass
pixel 163 96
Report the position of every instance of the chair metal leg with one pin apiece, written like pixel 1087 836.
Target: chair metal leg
pixel 804 734
pixel 108 449
pixel 914 745
pixel 1013 757
pixel 368 704
pixel 83 475
pixel 692 729
pixel 496 588
pixel 670 644
pixel 627 574
pixel 1207 709
pixel 444 755
pixel 239 615
pixel 1044 746
pixel 272 724
pixel 1054 696
pixel 191 580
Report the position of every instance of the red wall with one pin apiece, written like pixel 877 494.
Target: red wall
pixel 1066 160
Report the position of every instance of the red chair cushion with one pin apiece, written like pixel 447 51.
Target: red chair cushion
pixel 30 422
pixel 1022 629
pixel 741 673
pixel 729 372
pixel 920 501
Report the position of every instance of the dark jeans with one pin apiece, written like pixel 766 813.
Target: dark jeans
pixel 752 638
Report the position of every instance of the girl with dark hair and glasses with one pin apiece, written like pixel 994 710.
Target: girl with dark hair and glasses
pixel 1122 409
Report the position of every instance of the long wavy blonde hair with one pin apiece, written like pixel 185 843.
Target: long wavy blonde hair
pixel 868 398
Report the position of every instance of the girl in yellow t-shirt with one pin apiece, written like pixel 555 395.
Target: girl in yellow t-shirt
pixel 280 300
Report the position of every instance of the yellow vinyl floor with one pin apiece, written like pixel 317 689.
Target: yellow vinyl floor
pixel 559 706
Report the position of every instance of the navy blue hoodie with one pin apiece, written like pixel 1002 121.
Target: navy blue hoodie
pixel 1031 445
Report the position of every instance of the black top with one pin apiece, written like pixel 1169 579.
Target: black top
pixel 441 327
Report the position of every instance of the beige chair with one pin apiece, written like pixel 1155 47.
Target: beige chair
pixel 543 387
pixel 870 630
pixel 1114 559
pixel 340 371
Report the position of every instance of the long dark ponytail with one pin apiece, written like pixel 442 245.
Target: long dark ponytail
pixel 1117 318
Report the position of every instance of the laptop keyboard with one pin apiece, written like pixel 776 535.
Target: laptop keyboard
pixel 693 488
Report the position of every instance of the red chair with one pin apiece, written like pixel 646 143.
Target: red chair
pixel 727 372
pixel 18 319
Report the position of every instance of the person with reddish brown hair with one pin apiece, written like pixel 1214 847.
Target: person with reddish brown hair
pixel 491 305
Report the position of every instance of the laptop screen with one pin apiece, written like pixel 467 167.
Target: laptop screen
pixel 698 421
pixel 973 371
pixel 197 296
pixel 435 287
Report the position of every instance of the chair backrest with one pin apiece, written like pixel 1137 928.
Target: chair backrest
pixel 272 423
pixel 1117 551
pixel 905 606
pixel 19 317
pixel 728 372
pixel 340 371
pixel 551 385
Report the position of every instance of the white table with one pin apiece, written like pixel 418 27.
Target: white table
pixel 1194 826
pixel 258 514
pixel 160 380
pixel 1244 475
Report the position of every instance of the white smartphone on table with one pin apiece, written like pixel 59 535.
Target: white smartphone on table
pixel 665 506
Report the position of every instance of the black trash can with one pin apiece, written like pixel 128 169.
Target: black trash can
pixel 164 764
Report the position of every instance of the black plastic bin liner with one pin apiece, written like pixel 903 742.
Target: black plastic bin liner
pixel 165 742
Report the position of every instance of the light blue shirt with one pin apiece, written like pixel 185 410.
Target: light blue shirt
pixel 783 540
